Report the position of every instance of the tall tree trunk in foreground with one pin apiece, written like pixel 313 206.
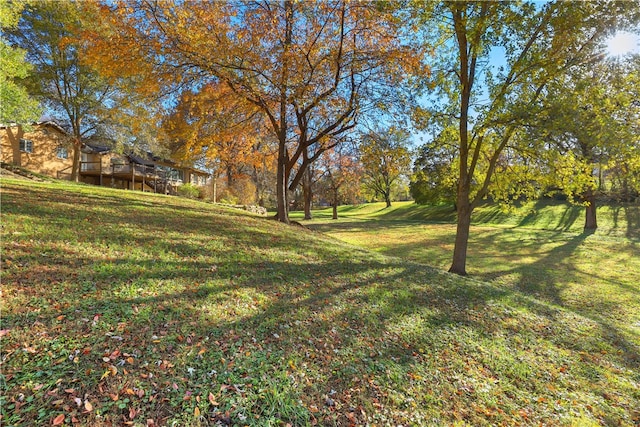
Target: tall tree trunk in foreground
pixel 464 209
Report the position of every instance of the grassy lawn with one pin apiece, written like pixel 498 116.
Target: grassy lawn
pixel 540 250
pixel 123 308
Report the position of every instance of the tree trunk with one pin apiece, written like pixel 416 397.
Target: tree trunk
pixel 281 182
pixel 75 168
pixel 590 222
pixel 335 204
pixel 282 174
pixel 307 193
pixel 462 235
pixel 16 154
pixel 387 199
pixel 229 177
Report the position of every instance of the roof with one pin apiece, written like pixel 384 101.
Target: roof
pixel 139 160
pixel 95 149
pixel 50 123
pixel 53 125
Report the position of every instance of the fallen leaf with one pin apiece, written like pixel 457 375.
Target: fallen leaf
pixel 196 412
pixel 88 406
pixel 58 420
pixel 212 399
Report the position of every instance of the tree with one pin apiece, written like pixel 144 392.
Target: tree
pixel 385 158
pixel 70 90
pixel 590 119
pixel 340 176
pixel 311 67
pixel 16 106
pixel 434 173
pixel 211 124
pixel 489 104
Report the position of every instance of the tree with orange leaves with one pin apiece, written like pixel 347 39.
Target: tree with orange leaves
pixel 310 68
pixel 213 125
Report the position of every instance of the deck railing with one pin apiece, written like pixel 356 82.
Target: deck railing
pixel 91 166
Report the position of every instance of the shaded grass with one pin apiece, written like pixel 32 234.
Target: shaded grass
pixel 121 307
pixel 618 220
pixel 539 250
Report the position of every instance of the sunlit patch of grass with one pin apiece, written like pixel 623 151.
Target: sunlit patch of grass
pixel 141 306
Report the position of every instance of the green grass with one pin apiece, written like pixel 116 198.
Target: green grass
pixel 122 307
pixel 539 250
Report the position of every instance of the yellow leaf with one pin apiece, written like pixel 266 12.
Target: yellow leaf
pixel 88 406
pixel 196 412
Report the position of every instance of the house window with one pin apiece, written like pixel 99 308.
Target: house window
pixel 62 153
pixel 26 145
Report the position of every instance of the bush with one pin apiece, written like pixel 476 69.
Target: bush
pixel 189 191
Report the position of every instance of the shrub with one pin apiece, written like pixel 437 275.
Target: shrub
pixel 189 190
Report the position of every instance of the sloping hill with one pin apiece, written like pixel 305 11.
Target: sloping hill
pixel 544 214
pixel 121 307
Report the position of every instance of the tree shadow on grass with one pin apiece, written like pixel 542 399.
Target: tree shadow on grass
pixel 257 314
pixel 632 214
pixel 564 223
pixel 345 314
pixel 539 277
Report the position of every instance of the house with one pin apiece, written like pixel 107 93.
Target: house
pixel 45 148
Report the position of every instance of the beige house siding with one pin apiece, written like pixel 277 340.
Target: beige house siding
pixel 97 166
pixel 46 140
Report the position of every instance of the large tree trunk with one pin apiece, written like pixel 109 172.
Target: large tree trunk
pixel 462 234
pixel 281 183
pixel 282 174
pixel 307 193
pixel 590 222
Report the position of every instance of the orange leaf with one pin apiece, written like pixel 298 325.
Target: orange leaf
pixel 196 412
pixel 212 399
pixel 58 420
pixel 88 406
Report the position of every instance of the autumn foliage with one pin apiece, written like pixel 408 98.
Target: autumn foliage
pixel 311 69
